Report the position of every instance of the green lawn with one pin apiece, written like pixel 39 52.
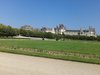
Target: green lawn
pixel 85 51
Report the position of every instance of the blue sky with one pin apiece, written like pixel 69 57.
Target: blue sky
pixel 38 13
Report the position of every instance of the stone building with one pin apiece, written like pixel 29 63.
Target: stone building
pixel 45 29
pixel 61 29
pixel 27 27
pixel 81 32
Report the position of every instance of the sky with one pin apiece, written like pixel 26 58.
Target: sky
pixel 49 13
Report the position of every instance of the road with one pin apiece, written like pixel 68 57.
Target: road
pixel 13 64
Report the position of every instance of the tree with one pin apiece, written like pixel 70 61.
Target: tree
pixel 63 36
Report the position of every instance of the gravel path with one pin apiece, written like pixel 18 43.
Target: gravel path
pixel 12 64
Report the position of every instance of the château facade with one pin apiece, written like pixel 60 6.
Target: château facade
pixel 61 29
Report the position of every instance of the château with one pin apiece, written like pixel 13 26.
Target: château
pixel 61 29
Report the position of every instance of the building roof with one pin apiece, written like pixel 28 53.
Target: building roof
pixel 76 30
pixel 72 30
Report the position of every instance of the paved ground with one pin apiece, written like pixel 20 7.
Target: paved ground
pixel 12 64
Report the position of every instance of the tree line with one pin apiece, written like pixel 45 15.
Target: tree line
pixel 8 31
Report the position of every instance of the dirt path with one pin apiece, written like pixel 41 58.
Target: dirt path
pixel 12 64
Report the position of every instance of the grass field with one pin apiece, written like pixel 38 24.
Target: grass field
pixel 75 50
